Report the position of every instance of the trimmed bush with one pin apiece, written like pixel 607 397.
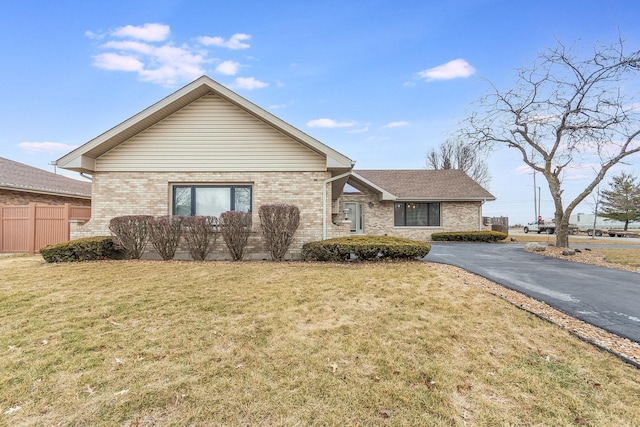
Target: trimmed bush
pixel 279 224
pixel 235 227
pixel 131 233
pixel 87 249
pixel 164 234
pixel 469 236
pixel 200 234
pixel 365 248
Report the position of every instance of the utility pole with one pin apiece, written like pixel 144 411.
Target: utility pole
pixel 535 203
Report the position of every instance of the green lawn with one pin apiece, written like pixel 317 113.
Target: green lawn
pixel 140 343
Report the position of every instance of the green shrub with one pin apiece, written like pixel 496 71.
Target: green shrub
pixel 365 248
pixel 469 236
pixel 87 249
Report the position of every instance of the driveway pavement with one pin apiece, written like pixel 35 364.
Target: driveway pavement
pixel 604 297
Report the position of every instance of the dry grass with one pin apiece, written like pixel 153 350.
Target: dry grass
pixel 170 343
pixel 582 240
pixel 629 257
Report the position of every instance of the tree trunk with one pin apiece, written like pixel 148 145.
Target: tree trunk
pixel 562 220
pixel 562 231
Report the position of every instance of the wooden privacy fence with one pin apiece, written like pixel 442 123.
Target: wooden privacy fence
pixel 28 228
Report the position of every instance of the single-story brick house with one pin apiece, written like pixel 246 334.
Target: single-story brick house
pixel 21 184
pixel 205 149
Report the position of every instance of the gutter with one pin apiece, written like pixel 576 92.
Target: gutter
pixel 324 201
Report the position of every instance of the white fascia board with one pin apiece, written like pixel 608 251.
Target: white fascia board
pixel 384 194
pixel 80 164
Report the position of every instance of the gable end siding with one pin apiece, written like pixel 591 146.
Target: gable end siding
pixel 211 134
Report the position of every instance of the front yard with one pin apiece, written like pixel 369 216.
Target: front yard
pixel 255 343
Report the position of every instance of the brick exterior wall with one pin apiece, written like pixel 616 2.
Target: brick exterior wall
pixel 149 193
pixel 378 219
pixel 11 197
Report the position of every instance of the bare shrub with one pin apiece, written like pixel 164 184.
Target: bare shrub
pixel 131 233
pixel 279 224
pixel 235 228
pixel 200 234
pixel 164 234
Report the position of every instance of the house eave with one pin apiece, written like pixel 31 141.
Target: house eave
pixel 444 199
pixel 45 192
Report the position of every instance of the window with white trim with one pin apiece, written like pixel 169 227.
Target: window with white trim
pixel 410 214
pixel 210 200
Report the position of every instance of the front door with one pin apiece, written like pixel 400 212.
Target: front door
pixel 353 211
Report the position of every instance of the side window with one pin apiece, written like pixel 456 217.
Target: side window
pixel 212 200
pixel 416 214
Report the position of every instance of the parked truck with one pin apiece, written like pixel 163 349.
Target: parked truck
pixel 547 227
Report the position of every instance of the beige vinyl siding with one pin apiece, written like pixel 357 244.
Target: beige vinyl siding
pixel 211 134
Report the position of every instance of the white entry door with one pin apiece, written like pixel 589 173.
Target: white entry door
pixel 354 212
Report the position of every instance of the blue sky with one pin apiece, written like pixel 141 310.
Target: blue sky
pixel 382 82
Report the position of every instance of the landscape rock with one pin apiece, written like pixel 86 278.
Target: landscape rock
pixel 534 247
pixel 568 252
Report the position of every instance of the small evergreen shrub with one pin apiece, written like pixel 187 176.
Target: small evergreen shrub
pixel 200 235
pixel 235 227
pixel 469 236
pixel 131 233
pixel 164 234
pixel 86 249
pixel 279 224
pixel 365 248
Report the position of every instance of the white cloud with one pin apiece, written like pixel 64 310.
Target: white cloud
pixel 158 63
pixel 360 130
pixel 45 147
pixel 147 32
pixel 228 68
pixel 249 83
pixel 117 62
pixel 329 123
pixel 93 36
pixel 397 124
pixel 280 106
pixel 147 51
pixel 129 45
pixel 235 42
pixel 458 68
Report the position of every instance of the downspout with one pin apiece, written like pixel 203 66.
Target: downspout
pixel 480 224
pixel 324 201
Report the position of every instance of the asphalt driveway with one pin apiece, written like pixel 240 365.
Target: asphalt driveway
pixel 604 297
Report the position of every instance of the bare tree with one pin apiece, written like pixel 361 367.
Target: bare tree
pixel 565 112
pixel 463 156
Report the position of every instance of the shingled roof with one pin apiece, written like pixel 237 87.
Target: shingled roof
pixel 20 177
pixel 422 184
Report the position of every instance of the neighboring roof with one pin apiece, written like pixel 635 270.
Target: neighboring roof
pixel 423 184
pixel 20 177
pixel 83 158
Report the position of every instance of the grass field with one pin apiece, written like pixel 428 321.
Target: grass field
pixel 272 344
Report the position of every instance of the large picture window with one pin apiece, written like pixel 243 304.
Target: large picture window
pixel 416 214
pixel 210 200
